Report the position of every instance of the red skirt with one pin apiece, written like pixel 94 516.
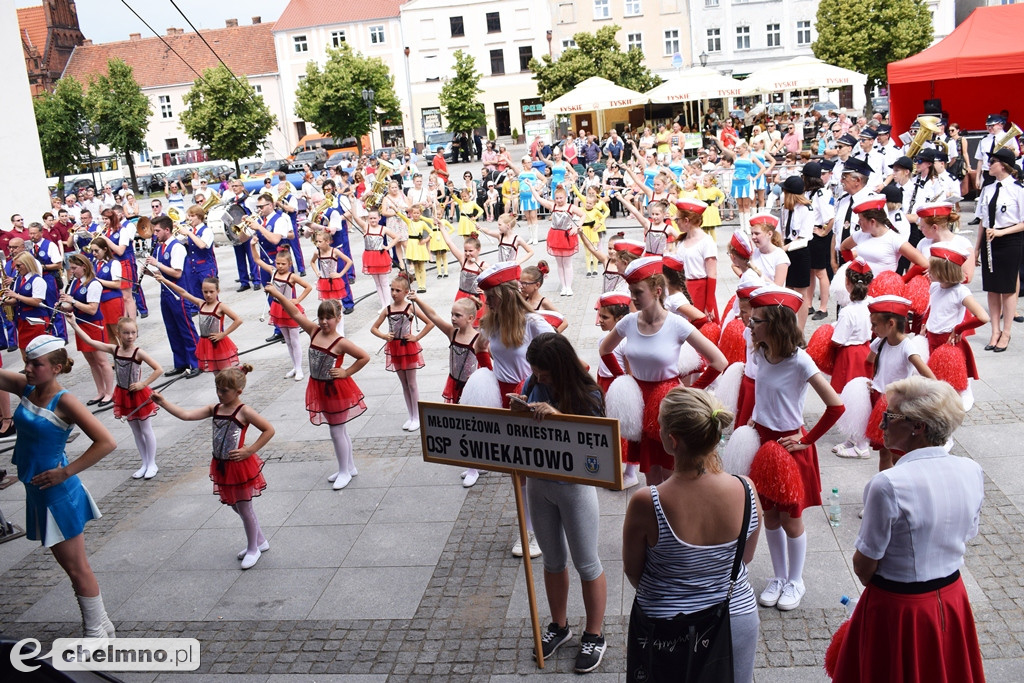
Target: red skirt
pixel 280 318
pixel 333 402
pixel 879 404
pixel 237 480
pixel 561 243
pixel 97 334
pixel 376 262
pixel 807 464
pixel 126 401
pixel 506 388
pixel 698 290
pixel 403 355
pixel 459 294
pixel 934 342
pixel 650 450
pixel 27 331
pixel 745 402
pixel 604 383
pixel 331 287
pixel 452 392
pixel 851 361
pixel 925 638
pixel 214 356
pixel 112 310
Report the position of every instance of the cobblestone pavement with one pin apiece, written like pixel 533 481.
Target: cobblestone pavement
pixel 466 619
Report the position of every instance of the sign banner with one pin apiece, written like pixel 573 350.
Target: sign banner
pixel 570 448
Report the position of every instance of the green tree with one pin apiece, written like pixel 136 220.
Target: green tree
pixel 595 54
pixel 462 110
pixel 224 114
pixel 331 98
pixel 866 35
pixel 60 116
pixel 117 105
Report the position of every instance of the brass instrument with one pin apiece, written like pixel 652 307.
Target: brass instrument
pixel 318 211
pixel 284 188
pixel 380 185
pixel 211 201
pixel 243 229
pixel 1009 135
pixel 929 129
pixel 178 230
pixel 8 303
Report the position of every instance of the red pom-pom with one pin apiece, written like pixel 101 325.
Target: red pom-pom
pixel 917 290
pixel 874 429
pixel 821 350
pixel 886 283
pixel 832 653
pixel 712 331
pixel 949 365
pixel 732 344
pixel 775 474
pixel 652 405
pixel 728 305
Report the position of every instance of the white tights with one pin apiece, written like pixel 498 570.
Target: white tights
pixel 564 264
pixel 411 393
pixel 291 340
pixel 145 441
pixel 254 537
pixel 343 449
pixel 380 281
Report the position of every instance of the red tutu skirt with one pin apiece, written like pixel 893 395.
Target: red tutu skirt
pixel 237 480
pixel 331 287
pixel 698 289
pixel 807 464
pixel 280 318
pixel 459 294
pixel 403 355
pixel 561 243
pixel 97 334
pixel 112 310
pixel 924 638
pixel 333 402
pixel 27 331
pixel 376 262
pixel 745 402
pixel 214 356
pixel 851 361
pixel 934 342
pixel 452 390
pixel 650 450
pixel 126 401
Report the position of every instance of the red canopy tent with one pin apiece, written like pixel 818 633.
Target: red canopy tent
pixel 976 70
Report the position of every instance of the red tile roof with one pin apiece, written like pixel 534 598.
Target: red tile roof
pixel 307 13
pixel 247 50
pixel 32 28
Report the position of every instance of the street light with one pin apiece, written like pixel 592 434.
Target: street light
pixel 91 133
pixel 703 57
pixel 368 95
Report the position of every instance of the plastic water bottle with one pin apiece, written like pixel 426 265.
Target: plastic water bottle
pixel 834 511
pixel 849 604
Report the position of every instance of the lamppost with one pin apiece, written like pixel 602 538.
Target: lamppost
pixel 368 95
pixel 703 57
pixel 411 144
pixel 90 133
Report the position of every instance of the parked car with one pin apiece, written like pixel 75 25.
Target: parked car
pixel 435 140
pixel 269 167
pixel 824 106
pixel 250 167
pixel 338 159
pixel 880 104
pixel 183 176
pixel 315 158
pixel 151 182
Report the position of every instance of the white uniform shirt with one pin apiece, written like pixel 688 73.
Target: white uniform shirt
pixel 893 362
pixel 899 221
pixel 882 253
pixel 767 263
pixel 959 242
pixel 945 307
pixel 510 365
pixel 800 227
pixel 781 390
pixel 694 255
pixel 178 253
pixel 854 324
pixel 987 145
pixel 51 250
pixel 919 515
pixel 654 357
pixel 1009 203
pixel 821 207
pixel 844 212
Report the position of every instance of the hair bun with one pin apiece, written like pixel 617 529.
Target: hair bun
pixel 246 368
pixel 543 267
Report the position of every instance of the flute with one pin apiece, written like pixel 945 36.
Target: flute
pixel 988 250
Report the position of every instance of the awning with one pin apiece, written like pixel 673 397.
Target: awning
pixel 697 83
pixel 595 94
pixel 800 73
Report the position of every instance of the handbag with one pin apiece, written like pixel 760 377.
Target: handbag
pixel 696 648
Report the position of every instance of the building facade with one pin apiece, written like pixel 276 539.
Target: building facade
pixel 49 33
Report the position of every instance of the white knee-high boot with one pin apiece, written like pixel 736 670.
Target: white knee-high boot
pixel 94 617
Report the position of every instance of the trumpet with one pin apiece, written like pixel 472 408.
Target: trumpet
pixel 1009 135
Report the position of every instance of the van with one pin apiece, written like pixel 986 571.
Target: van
pixel 325 142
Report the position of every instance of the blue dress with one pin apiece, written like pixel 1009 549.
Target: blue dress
pixel 760 183
pixel 527 200
pixel 59 512
pixel 743 170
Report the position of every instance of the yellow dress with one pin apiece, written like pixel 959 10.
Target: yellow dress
pixel 593 221
pixel 468 213
pixel 415 250
pixel 437 242
pixel 713 197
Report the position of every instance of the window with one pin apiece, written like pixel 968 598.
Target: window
pixel 632 8
pixel 711 3
pixel 525 55
pixel 602 9
pixel 431 70
pixel 567 43
pixel 458 29
pixel 774 35
pixel 566 13
pixel 497 62
pixel 635 41
pixel 300 44
pixel 803 33
pixel 337 38
pixel 377 35
pixel 165 107
pixel 493 22
pixel 427 29
pixel 171 143
pixel 671 41
pixel 714 40
pixel 742 37
pixel 258 89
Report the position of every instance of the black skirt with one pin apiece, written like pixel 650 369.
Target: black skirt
pixel 1006 261
pixel 799 274
pixel 821 251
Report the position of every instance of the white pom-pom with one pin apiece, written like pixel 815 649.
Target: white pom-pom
pixel 481 390
pixel 625 402
pixel 740 450
pixel 837 290
pixel 727 387
pixel 689 360
pixel 856 398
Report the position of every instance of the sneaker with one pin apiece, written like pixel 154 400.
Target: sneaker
pixel 534 547
pixel 470 478
pixel 517 547
pixel 852 453
pixel 770 595
pixel 820 315
pixel 592 648
pixel 554 637
pixel 791 596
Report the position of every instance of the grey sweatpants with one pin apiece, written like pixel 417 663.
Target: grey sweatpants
pixel 566 518
pixel 744 645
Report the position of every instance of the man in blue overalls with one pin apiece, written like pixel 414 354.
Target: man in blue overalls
pixel 339 237
pixel 272 231
pixel 200 262
pixel 248 272
pixel 48 255
pixel 169 256
pixel 289 204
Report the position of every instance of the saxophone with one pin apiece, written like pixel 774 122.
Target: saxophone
pixel 8 303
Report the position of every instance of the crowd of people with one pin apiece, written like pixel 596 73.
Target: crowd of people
pixel 876 231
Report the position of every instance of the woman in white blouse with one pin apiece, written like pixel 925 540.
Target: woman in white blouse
pixel 914 615
pixel 878 241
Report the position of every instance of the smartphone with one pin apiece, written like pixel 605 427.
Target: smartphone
pixel 520 404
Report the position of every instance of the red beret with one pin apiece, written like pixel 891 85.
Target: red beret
pixel 631 246
pixel 642 268
pixel 859 265
pixel 934 209
pixel 497 274
pixel 613 299
pixel 890 303
pixel 950 253
pixel 872 201
pixel 749 282
pixel 764 219
pixel 554 318
pixel 672 261
pixel 694 205
pixel 742 244
pixel 773 295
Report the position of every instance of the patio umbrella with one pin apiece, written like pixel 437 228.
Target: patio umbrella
pixel 800 73
pixel 595 94
pixel 697 83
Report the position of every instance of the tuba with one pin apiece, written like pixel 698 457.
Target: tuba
pixel 211 201
pixel 929 128
pixel 1009 135
pixel 380 185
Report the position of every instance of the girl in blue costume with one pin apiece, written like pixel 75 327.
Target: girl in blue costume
pixel 746 171
pixel 529 189
pixel 57 506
